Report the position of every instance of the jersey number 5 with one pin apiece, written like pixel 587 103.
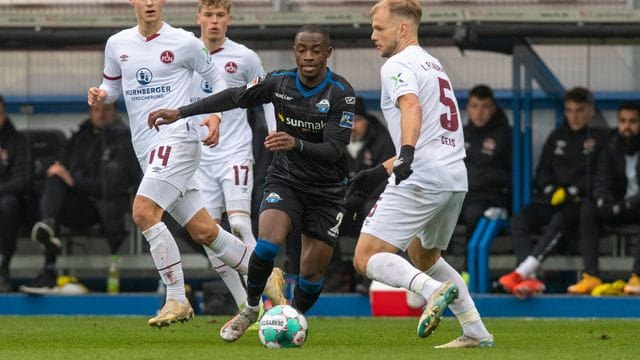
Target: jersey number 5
pixel 449 119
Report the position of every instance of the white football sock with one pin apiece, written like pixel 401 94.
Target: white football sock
pixel 528 267
pixel 393 270
pixel 231 251
pixel 241 227
pixel 230 277
pixel 463 307
pixel 166 257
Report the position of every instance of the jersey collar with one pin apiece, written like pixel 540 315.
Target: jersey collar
pixel 149 38
pixel 315 90
pixel 211 52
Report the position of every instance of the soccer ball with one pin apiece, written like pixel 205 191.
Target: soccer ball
pixel 282 327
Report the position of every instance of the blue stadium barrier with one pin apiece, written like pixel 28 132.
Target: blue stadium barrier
pixel 344 305
pixel 472 253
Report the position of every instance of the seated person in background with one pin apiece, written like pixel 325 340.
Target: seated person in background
pixel 90 186
pixel 616 191
pixel 14 185
pixel 487 140
pixel 564 176
pixel 369 146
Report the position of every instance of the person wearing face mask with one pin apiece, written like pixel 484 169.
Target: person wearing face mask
pixel 616 199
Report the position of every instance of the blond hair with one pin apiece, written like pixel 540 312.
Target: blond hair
pixel 408 9
pixel 226 4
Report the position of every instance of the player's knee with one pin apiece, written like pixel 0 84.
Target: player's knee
pixel 145 214
pixel 203 234
pixel 360 263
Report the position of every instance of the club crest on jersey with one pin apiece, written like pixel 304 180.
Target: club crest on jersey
pixel 231 67
pixel 323 106
pixel 144 76
pixel 206 87
pixel 346 120
pixel 273 198
pixel 167 57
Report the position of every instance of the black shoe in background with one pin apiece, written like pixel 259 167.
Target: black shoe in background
pixel 44 283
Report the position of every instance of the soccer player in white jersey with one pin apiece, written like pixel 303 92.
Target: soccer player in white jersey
pixel 225 174
pixel 419 208
pixel 153 63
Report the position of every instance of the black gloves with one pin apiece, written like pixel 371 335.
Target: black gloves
pixel 402 166
pixel 366 181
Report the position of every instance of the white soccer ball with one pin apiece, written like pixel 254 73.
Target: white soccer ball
pixel 282 327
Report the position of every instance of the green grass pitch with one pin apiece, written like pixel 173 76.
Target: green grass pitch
pixel 329 338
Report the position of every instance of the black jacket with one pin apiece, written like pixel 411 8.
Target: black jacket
pixel 488 160
pixel 378 147
pixel 569 159
pixel 611 179
pixel 102 162
pixel 14 161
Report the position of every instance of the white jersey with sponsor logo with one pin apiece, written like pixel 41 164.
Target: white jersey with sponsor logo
pixel 238 65
pixel 438 162
pixel 155 72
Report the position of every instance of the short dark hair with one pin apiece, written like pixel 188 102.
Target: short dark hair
pixel 579 95
pixel 629 105
pixel 316 29
pixel 4 104
pixel 482 92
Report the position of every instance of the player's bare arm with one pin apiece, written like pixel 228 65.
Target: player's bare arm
pixel 411 120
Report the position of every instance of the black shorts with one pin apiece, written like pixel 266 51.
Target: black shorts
pixel 315 216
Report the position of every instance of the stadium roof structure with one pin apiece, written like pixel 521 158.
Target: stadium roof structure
pixel 271 24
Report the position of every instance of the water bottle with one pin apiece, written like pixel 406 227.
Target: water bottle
pixel 113 277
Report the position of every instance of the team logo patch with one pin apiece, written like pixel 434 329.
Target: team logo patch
pixel 397 81
pixel 588 145
pixel 273 198
pixel 144 76
pixel 346 120
pixel 488 146
pixel 167 57
pixel 323 106
pixel 206 87
pixel 559 150
pixel 206 54
pixel 350 100
pixel 231 67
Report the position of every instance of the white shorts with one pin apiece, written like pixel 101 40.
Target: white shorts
pixel 406 211
pixel 226 186
pixel 168 178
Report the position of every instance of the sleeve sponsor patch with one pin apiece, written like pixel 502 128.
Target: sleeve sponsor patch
pixel 256 81
pixel 346 120
pixel 350 100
